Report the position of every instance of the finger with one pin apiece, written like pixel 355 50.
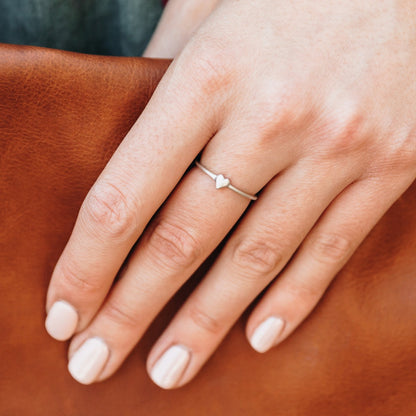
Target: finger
pixel 179 20
pixel 186 230
pixel 261 245
pixel 140 175
pixel 327 248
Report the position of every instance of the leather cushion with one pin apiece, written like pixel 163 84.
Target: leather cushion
pixel 62 115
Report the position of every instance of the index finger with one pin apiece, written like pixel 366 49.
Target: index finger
pixel 140 175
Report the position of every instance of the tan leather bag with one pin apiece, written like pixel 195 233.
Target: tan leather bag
pixel 62 115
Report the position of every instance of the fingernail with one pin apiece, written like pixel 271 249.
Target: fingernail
pixel 169 368
pixel 266 334
pixel 89 360
pixel 61 321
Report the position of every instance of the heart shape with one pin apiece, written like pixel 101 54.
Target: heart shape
pixel 221 182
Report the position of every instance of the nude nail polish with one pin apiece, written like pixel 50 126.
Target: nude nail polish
pixel 62 320
pixel 169 368
pixel 89 360
pixel 266 334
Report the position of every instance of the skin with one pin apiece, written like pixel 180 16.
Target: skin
pixel 309 104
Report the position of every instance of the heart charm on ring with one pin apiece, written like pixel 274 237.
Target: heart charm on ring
pixel 221 182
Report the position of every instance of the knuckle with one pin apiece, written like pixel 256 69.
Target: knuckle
pixel 255 257
pixel 280 112
pixel 74 279
pixel 120 315
pixel 304 290
pixel 344 131
pixel 211 71
pixel 204 320
pixel 400 155
pixel 330 248
pixel 174 246
pixel 107 211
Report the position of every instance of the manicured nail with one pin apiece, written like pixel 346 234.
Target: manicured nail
pixel 169 368
pixel 61 321
pixel 88 361
pixel 266 334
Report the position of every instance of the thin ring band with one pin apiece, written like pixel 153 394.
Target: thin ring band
pixel 222 182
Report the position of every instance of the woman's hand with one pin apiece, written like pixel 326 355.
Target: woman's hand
pixel 309 103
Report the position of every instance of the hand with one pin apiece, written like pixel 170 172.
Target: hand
pixel 310 104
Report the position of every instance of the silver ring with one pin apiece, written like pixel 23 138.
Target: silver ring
pixel 222 182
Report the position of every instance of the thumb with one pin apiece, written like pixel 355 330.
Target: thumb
pixel 176 26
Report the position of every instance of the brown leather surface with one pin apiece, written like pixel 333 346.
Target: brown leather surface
pixel 61 117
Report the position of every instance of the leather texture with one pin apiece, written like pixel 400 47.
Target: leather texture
pixel 62 115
